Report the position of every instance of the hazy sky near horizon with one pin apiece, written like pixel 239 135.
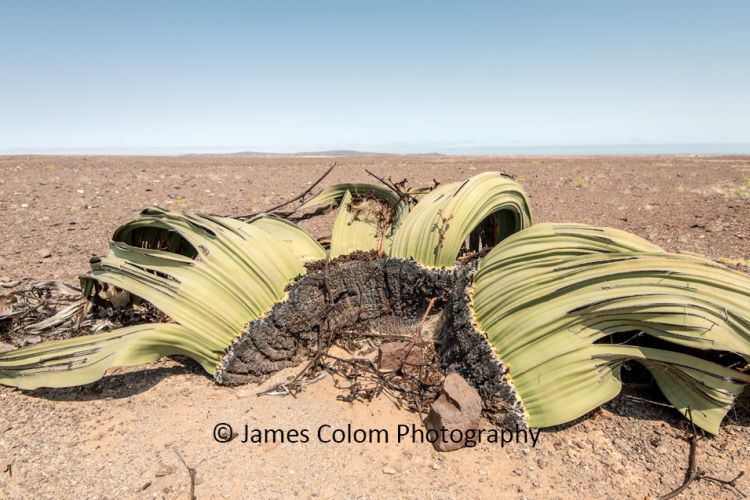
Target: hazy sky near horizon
pixel 378 75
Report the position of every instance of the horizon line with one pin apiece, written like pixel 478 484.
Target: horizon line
pixel 613 149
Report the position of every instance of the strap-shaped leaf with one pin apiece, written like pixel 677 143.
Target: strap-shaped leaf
pixel 436 228
pixel 234 274
pixel 82 360
pixel 333 195
pixel 359 228
pixel 546 295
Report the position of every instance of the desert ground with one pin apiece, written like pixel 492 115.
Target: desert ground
pixel 120 437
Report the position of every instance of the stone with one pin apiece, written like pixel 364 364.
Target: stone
pixel 5 426
pixel 389 470
pixel 459 407
pixel 394 355
pixel 44 253
pixel 164 470
pixel 118 298
pixel 603 412
pixel 143 487
pixel 338 352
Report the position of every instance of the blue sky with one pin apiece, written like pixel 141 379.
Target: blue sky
pixel 375 75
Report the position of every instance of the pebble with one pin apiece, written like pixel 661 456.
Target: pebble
pixel 603 412
pixel 164 470
pixel 5 426
pixel 338 352
pixel 44 253
pixel 389 470
pixel 143 487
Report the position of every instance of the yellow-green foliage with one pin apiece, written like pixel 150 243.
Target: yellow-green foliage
pixel 436 228
pixel 239 271
pixel 546 295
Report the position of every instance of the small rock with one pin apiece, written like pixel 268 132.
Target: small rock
pixel 338 352
pixel 394 355
pixel 164 470
pixel 143 487
pixel 5 426
pixel 5 467
pixel 518 472
pixel 44 253
pixel 117 297
pixel 458 408
pixel 389 470
pixel 603 412
pixel 540 463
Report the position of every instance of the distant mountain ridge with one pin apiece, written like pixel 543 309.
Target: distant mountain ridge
pixel 329 153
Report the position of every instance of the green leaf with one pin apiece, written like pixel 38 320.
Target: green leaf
pixel 546 295
pixel 359 227
pixel 333 195
pixel 238 271
pixel 433 232
pixel 82 360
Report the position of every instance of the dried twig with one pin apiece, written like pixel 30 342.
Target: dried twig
pixel 291 200
pixel 418 333
pixel 442 228
pixel 383 181
pixel 693 473
pixel 191 472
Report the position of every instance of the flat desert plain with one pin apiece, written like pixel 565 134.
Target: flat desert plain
pixel 120 437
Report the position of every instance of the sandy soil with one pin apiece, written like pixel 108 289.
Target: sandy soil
pixel 117 438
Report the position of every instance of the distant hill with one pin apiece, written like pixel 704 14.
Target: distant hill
pixel 330 153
